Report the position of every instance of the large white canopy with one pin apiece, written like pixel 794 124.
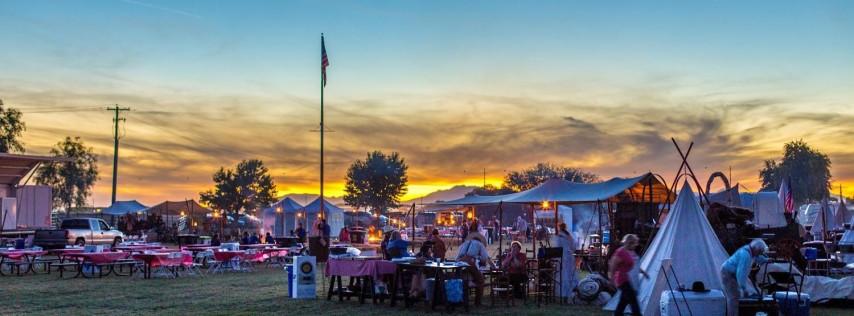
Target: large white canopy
pixel 563 191
pixel 687 239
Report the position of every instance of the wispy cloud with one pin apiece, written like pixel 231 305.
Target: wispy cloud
pixel 162 8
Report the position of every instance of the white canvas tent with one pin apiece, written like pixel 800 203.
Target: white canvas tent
pixel 842 215
pixel 687 239
pixel 825 216
pixel 768 211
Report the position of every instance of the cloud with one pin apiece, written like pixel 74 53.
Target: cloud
pixel 171 148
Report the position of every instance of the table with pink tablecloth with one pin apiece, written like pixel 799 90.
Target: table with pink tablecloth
pixel 359 267
pixel 226 255
pixel 98 257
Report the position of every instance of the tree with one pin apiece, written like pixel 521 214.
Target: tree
pixel 490 190
pixel 377 182
pixel 246 189
pixel 807 168
pixel 531 177
pixel 11 127
pixel 72 178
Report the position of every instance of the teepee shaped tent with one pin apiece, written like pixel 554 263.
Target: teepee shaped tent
pixel 687 239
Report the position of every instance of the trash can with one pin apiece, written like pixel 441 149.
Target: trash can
pixel 289 270
pixel 429 285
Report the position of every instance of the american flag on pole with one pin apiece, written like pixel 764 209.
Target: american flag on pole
pixel 324 60
pixel 785 196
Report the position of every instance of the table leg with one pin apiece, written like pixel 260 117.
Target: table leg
pixel 340 289
pixel 394 285
pixel 465 290
pixel 439 282
pixel 361 281
pixel 331 286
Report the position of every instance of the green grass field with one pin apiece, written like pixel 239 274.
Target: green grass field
pixel 258 293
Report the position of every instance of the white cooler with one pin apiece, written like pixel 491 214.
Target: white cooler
pixel 710 303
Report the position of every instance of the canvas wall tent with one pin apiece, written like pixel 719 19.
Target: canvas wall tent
pixel 842 215
pixel 726 197
pixel 823 217
pixel 768 210
pixel 124 207
pixel 279 217
pixel 171 211
pixel 687 239
pixel 334 215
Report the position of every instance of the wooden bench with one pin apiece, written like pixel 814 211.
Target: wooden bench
pixel 61 267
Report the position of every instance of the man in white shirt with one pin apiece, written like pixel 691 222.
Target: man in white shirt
pixel 472 250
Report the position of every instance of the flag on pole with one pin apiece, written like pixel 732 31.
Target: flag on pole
pixel 785 196
pixel 324 60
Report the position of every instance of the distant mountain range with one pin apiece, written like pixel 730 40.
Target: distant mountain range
pixel 453 193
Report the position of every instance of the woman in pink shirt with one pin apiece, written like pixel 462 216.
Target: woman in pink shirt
pixel 620 272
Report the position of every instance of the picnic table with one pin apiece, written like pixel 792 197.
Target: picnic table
pixel 137 248
pixel 227 258
pixel 365 269
pixel 96 260
pixel 162 259
pixel 20 257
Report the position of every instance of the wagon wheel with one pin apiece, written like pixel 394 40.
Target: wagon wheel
pixel 787 247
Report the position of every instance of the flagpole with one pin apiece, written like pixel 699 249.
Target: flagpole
pixel 321 131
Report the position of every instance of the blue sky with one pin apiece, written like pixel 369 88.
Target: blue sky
pixel 484 68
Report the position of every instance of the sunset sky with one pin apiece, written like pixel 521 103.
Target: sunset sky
pixel 454 86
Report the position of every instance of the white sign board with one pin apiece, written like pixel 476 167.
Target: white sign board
pixel 305 271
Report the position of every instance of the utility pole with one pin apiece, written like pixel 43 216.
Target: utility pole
pixel 484 177
pixel 117 110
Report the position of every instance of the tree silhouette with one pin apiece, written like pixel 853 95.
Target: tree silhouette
pixel 378 182
pixel 807 168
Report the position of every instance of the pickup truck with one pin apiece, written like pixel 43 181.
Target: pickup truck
pixel 78 231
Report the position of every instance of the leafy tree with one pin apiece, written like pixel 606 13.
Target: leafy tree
pixel 531 177
pixel 807 168
pixel 246 189
pixel 11 127
pixel 71 178
pixel 377 182
pixel 490 189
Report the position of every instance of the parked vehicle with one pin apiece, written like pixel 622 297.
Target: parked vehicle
pixel 80 232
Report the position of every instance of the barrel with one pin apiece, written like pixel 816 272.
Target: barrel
pixel 810 253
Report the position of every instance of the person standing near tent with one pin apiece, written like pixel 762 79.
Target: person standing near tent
pixel 568 280
pixel 623 271
pixel 735 270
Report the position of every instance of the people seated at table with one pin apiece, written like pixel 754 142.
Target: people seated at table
pixel 474 252
pixel 268 239
pixel 439 247
pixel 215 241
pixel 416 288
pixel 254 239
pixel 514 265
pixel 300 232
pixel 397 246
pixel 245 239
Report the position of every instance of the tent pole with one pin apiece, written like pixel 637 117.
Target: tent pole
pixel 500 225
pixel 413 228
pixel 533 231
